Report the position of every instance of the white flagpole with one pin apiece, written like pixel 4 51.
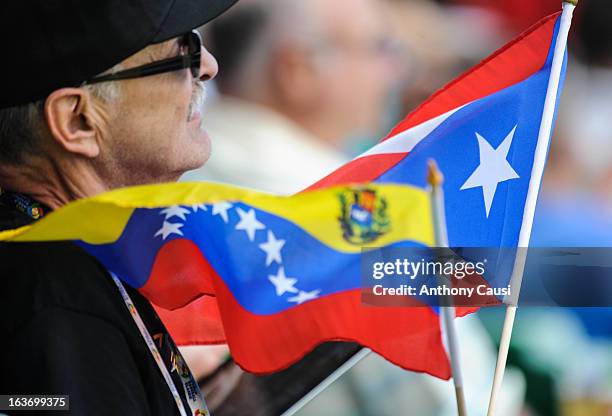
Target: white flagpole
pixel 339 372
pixel 532 196
pixel 435 180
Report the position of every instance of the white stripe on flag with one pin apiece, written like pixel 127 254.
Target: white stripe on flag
pixel 405 141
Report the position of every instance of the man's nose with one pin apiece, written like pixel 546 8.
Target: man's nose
pixel 208 66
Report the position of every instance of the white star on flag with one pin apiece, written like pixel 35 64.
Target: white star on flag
pixel 197 207
pixel 304 296
pixel 493 169
pixel 221 208
pixel 249 223
pixel 272 247
pixel 175 211
pixel 282 283
pixel 168 229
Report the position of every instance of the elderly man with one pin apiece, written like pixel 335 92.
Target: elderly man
pixel 70 128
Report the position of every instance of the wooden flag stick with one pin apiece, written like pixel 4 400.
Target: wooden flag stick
pixel 435 180
pixel 532 196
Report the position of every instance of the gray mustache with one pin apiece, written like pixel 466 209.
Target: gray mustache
pixel 197 100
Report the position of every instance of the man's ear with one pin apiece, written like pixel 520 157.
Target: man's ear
pixel 70 122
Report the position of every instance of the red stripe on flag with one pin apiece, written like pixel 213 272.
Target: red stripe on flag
pixel 198 323
pixel 182 260
pixel 262 344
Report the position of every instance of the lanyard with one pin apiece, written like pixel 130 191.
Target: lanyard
pixel 196 402
pixel 23 204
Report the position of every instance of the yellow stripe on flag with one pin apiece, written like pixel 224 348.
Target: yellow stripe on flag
pixel 102 219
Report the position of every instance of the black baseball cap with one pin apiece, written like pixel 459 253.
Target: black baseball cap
pixel 51 44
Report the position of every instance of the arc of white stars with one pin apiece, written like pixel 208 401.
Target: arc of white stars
pixel 272 248
pixel 175 211
pixel 282 283
pixel 493 169
pixel 303 296
pixel 249 223
pixel 221 208
pixel 168 229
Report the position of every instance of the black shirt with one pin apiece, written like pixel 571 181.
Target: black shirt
pixel 64 329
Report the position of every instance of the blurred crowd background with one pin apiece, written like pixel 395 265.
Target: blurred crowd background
pixel 305 85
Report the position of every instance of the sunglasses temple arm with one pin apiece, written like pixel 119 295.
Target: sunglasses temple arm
pixel 168 65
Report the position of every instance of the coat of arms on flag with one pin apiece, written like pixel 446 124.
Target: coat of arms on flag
pixel 364 217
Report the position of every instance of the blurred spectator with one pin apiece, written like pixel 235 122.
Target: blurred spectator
pixel 594 33
pixel 298 78
pixel 588 113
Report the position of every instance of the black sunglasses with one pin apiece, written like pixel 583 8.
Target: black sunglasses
pixel 192 41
